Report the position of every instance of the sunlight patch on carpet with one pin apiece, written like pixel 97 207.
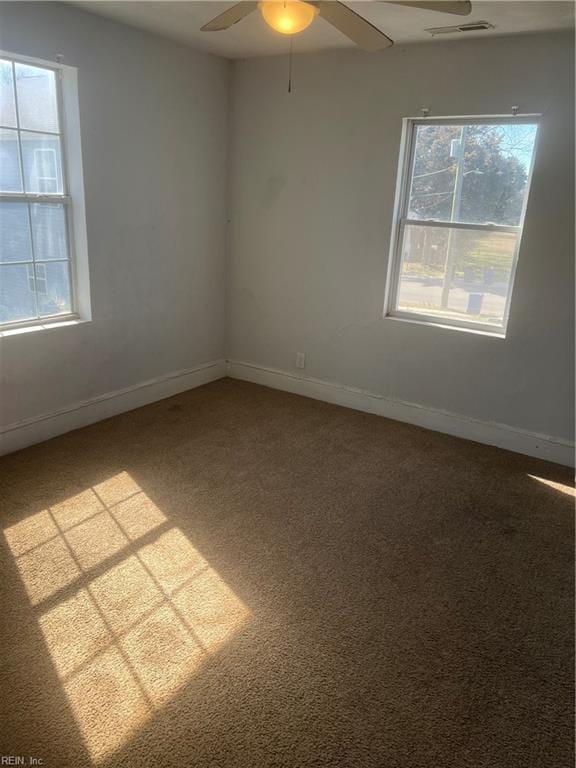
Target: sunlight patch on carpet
pixel 127 621
pixel 561 487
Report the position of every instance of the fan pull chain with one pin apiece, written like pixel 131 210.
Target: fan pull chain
pixel 290 66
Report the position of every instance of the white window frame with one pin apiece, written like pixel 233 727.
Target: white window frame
pixel 400 220
pixel 72 196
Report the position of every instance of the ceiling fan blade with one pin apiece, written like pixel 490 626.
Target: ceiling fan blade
pixel 459 7
pixel 347 21
pixel 229 17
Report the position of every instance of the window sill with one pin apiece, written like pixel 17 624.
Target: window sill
pixel 495 334
pixel 36 327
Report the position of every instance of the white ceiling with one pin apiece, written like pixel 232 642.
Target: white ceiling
pixel 252 37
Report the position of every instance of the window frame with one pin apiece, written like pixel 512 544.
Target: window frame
pixel 400 220
pixel 71 197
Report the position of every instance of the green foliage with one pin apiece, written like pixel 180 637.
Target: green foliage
pixel 493 173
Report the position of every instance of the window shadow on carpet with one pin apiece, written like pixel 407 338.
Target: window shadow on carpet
pixel 128 608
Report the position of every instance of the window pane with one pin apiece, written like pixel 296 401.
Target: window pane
pixel 471 173
pixel 7 107
pixel 15 242
pixel 37 105
pixel 456 273
pixel 16 293
pixel 53 287
pixel 41 160
pixel 10 175
pixel 49 231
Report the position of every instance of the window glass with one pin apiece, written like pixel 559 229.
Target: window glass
pixel 10 170
pixel 16 293
pixel 7 104
pixel 53 287
pixel 41 161
pixel 49 232
pixel 15 242
pixel 37 103
pixel 457 273
pixel 471 173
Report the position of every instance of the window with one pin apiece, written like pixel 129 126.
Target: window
pixel 458 225
pixel 40 238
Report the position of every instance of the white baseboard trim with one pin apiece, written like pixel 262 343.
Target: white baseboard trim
pixel 36 430
pixel 490 433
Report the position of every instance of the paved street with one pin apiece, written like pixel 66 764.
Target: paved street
pixel 427 294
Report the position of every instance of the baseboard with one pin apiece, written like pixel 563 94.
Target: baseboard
pixel 36 430
pixel 490 433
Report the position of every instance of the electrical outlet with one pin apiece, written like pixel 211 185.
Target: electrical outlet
pixel 300 360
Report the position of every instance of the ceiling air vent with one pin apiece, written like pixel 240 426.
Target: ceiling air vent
pixel 475 26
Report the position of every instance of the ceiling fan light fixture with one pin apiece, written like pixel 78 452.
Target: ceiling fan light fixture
pixel 287 16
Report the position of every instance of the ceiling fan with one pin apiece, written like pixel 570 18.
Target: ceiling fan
pixel 292 16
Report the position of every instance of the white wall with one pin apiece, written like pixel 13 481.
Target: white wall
pixel 313 179
pixel 311 190
pixel 154 135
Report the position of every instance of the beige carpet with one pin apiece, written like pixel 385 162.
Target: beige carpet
pixel 237 577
